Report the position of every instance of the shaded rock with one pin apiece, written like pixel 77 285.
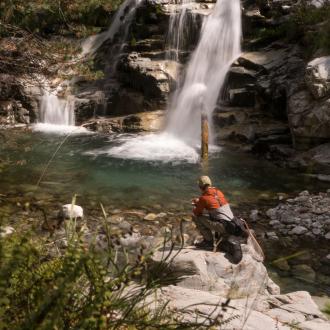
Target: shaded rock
pixel 241 97
pixel 298 230
pixel 254 215
pixel 309 120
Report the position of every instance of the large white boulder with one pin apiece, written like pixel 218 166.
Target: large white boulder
pixel 71 211
pixel 213 272
pixel 256 312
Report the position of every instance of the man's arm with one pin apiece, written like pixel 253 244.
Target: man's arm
pixel 199 207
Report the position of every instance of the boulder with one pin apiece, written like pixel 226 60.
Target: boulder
pixel 141 122
pixel 309 119
pixel 155 79
pixel 318 77
pixel 213 272
pixel 298 230
pixel 256 312
pixel 317 159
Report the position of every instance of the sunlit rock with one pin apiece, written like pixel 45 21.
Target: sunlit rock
pixel 318 77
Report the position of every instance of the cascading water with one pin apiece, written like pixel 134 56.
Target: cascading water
pixel 218 47
pixel 57 114
pixel 122 20
pixel 178 32
pixel 56 111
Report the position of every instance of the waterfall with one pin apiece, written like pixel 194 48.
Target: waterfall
pixel 218 47
pixel 121 21
pixel 57 111
pixel 178 37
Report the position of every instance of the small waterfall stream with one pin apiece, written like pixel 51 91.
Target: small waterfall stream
pixel 178 32
pixel 121 23
pixel 56 113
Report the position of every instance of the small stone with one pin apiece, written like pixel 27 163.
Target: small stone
pixel 317 231
pixel 254 215
pixel 274 223
pixel 150 217
pixel 271 213
pixel 298 230
pixel 307 222
pixel 270 234
pixel 327 236
pixel 161 215
pixel 304 193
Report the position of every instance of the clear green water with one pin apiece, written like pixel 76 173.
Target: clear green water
pixel 133 183
pixel 126 184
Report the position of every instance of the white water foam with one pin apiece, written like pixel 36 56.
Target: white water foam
pixel 153 147
pixel 55 110
pixel 60 129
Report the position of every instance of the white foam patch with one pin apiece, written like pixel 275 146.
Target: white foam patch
pixel 60 129
pixel 153 147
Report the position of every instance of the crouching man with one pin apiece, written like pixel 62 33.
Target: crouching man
pixel 215 221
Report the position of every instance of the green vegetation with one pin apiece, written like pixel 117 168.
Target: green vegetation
pixel 76 289
pixel 308 25
pixel 62 17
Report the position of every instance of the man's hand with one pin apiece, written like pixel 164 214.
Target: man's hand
pixel 194 201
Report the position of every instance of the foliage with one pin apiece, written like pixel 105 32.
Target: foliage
pixel 327 309
pixel 308 25
pixel 62 16
pixel 80 288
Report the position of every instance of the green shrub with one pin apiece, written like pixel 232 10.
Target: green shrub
pixel 51 16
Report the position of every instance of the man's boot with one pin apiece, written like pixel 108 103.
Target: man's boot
pixel 233 248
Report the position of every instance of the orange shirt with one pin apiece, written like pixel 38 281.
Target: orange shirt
pixel 209 201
